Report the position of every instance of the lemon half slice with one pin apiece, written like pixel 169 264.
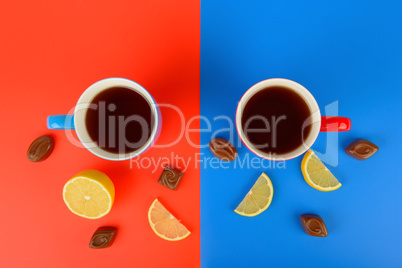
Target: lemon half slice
pixel 164 224
pixel 258 198
pixel 317 175
pixel 89 194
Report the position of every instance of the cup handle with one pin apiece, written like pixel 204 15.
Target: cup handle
pixel 60 121
pixel 334 123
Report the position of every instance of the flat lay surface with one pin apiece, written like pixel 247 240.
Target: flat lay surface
pixel 346 53
pixel 50 53
pixel 197 59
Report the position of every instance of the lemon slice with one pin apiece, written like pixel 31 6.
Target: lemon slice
pixel 89 194
pixel 164 224
pixel 317 175
pixel 258 198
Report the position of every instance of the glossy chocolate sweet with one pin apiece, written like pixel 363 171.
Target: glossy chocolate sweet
pixel 223 149
pixel 313 225
pixel 103 237
pixel 361 149
pixel 170 177
pixel 40 149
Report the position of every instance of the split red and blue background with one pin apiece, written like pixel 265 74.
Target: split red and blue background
pixel 202 57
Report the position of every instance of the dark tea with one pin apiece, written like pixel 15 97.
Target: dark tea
pixel 274 120
pixel 119 120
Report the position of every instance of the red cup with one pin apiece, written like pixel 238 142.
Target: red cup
pixel 318 123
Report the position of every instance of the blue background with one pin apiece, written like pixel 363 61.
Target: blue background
pixel 346 51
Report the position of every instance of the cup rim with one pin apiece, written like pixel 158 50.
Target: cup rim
pixel 303 93
pixel 85 100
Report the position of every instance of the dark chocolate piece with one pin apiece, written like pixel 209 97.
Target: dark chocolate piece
pixel 103 237
pixel 361 149
pixel 40 149
pixel 313 225
pixel 170 177
pixel 223 149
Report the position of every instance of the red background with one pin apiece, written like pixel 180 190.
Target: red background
pixel 50 52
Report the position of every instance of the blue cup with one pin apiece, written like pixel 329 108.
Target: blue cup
pixel 77 120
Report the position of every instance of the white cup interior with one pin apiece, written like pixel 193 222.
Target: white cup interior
pixel 84 103
pixel 315 118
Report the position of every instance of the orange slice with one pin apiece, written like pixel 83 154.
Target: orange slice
pixel 164 224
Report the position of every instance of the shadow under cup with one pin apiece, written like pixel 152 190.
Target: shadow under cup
pixel 116 119
pixel 278 119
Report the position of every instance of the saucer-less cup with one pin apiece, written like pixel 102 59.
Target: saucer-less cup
pixel 318 123
pixel 77 120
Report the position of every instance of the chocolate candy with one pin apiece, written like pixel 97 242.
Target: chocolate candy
pixel 40 149
pixel 313 225
pixel 361 149
pixel 170 177
pixel 103 237
pixel 223 149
